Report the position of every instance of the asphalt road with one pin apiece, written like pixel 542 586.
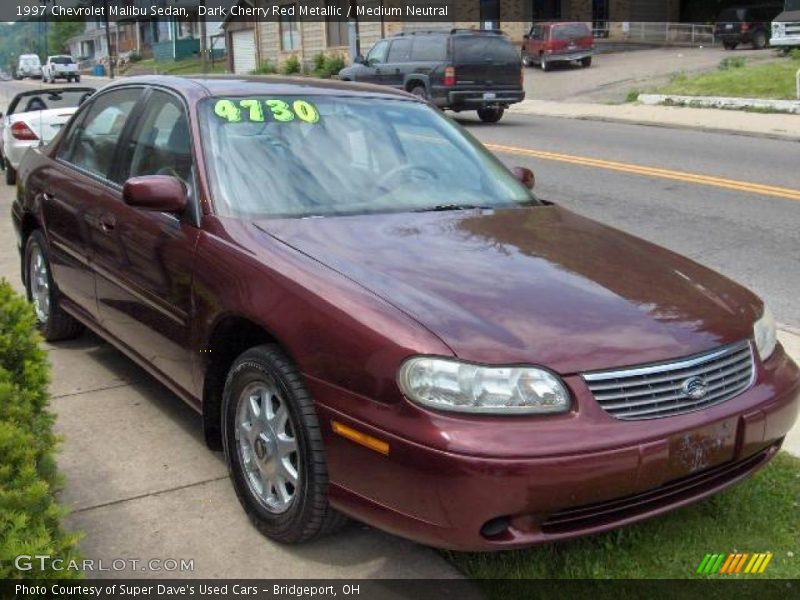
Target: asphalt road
pixel 699 194
pixel 730 202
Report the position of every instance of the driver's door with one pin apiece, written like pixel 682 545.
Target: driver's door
pixel 372 71
pixel 144 259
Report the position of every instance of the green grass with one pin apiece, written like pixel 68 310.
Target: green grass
pixel 188 66
pixel 736 78
pixel 761 514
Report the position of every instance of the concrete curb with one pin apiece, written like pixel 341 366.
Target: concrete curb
pixel 721 102
pixel 777 126
pixel 789 337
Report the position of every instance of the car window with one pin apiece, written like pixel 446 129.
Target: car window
pixel 471 49
pixel 400 51
pixel 378 53
pixel 92 141
pixel 62 60
pixel 161 143
pixel 429 48
pixel 569 32
pixel 339 155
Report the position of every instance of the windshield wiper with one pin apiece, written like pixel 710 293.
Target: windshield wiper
pixel 443 207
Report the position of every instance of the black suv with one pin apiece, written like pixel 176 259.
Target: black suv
pixel 459 69
pixel 746 25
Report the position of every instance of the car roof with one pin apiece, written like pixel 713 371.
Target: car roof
pixel 264 85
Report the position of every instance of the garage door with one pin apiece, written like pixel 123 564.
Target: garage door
pixel 244 51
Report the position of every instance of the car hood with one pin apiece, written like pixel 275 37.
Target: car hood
pixel 537 285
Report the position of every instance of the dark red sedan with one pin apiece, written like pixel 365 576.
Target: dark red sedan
pixel 377 319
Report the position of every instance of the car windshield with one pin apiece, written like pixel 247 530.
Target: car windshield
pixel 45 100
pixel 287 156
pixel 568 32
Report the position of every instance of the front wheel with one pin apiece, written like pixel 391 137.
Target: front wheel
pixel 543 63
pixel 77 79
pixel 490 115
pixel 273 447
pixel 52 321
pixel 526 60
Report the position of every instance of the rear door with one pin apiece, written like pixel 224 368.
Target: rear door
pixel 77 183
pixel 397 62
pixel 486 62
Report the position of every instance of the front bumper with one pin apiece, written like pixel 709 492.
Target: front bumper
pixel 446 498
pixel 785 41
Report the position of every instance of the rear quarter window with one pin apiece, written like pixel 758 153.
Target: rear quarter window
pixel 477 49
pixel 429 48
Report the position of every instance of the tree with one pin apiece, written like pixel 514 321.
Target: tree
pixel 60 32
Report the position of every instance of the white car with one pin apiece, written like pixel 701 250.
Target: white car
pixel 61 66
pixel 29 65
pixel 34 118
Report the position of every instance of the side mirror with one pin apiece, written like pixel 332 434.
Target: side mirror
pixel 160 193
pixel 524 176
pixel 360 60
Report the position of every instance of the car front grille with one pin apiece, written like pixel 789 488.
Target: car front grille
pixel 676 387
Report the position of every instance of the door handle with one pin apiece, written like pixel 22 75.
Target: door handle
pixel 107 222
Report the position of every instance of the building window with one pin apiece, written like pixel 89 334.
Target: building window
pixel 336 30
pixel 290 35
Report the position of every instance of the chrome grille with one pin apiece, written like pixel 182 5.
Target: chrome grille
pixel 663 389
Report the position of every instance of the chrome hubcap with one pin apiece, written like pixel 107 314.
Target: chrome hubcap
pixel 39 284
pixel 267 446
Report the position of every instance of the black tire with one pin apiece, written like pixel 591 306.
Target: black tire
pixel 759 40
pixel 309 515
pixel 419 91
pixel 77 79
pixel 11 174
pixel 526 61
pixel 544 63
pixel 586 62
pixel 490 114
pixel 58 325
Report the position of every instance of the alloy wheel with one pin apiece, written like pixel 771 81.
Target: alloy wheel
pixel 267 446
pixel 39 286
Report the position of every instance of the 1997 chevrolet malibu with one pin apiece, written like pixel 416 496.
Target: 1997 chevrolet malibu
pixel 378 319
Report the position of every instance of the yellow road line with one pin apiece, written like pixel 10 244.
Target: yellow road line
pixel 730 184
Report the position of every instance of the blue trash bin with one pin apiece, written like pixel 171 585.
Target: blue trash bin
pixel 99 71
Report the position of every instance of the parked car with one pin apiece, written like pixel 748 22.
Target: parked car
pixel 61 67
pixel 786 27
pixel 460 69
pixel 29 65
pixel 389 324
pixel 34 118
pixel 550 43
pixel 746 25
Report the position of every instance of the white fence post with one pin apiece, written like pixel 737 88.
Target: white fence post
pixel 797 80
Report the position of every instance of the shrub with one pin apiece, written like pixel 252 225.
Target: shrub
pixel 332 65
pixel 29 515
pixel 134 57
pixel 265 68
pixel 736 62
pixel 632 96
pixel 291 66
pixel 318 61
pixel 794 54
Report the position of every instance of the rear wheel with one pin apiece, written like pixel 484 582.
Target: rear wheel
pixel 52 321
pixel 77 79
pixel 586 62
pixel 273 446
pixel 490 114
pixel 759 40
pixel 419 91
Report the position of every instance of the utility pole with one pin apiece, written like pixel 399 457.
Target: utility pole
pixel 203 40
pixel 108 40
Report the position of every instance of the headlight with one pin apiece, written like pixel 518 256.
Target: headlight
pixel 765 334
pixel 447 384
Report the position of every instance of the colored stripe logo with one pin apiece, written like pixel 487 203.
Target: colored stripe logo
pixel 729 564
